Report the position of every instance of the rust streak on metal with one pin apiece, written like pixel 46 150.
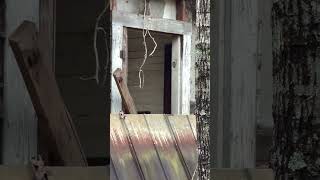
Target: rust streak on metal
pixel 157 146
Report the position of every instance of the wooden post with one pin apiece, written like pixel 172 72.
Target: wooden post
pixel 233 84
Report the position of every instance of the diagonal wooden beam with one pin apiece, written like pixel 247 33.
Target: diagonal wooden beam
pixel 128 102
pixel 48 103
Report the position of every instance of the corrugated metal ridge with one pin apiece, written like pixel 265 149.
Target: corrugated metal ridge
pixel 153 147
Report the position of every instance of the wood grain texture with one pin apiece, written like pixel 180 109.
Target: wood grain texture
pixel 129 106
pixel 185 74
pixel 116 62
pixel 176 77
pixel 153 24
pixel 47 101
pixel 234 84
pixel 47 31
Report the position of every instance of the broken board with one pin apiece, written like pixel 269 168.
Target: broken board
pixel 119 77
pixel 45 95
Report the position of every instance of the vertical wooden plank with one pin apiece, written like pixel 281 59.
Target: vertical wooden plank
pixel 124 55
pixel 234 79
pixel 243 83
pixel 185 75
pixel 2 45
pixel 217 73
pixel 20 121
pixel 47 31
pixel 176 76
pixel 46 41
pixel 116 62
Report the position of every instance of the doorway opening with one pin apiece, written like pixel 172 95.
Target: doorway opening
pixel 155 96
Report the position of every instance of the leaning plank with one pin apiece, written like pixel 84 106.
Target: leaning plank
pixel 56 173
pixel 124 92
pixel 242 174
pixel 45 95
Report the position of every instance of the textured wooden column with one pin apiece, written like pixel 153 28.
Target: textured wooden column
pixel 233 88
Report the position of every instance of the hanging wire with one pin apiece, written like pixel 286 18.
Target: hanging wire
pixel 145 32
pixel 96 30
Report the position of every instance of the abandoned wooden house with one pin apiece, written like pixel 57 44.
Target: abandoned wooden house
pixel 119 89
pixel 58 88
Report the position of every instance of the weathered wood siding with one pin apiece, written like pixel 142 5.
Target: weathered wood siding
pixel 158 8
pixel 264 65
pixel 234 84
pixel 20 122
pixel 2 44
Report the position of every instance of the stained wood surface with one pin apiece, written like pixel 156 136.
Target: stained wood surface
pixel 124 92
pixel 153 24
pixel 45 95
pixel 56 173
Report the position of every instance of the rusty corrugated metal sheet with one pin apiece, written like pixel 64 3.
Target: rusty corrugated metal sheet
pixel 152 146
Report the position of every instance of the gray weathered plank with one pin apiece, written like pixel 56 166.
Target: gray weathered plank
pixel 234 84
pixel 153 24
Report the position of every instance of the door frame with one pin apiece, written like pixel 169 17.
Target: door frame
pixel 181 72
